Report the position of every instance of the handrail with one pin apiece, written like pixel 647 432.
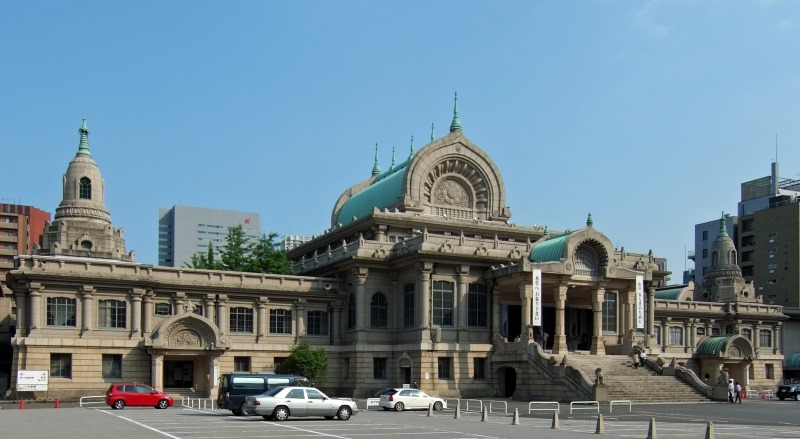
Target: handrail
pixel 688 376
pixel 86 400
pixel 189 402
pixel 621 401
pixel 500 403
pixel 556 410
pixel 466 408
pixel 594 405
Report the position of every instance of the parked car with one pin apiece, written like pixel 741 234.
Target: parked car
pixel 120 395
pixel 791 391
pixel 282 402
pixel 234 387
pixel 405 399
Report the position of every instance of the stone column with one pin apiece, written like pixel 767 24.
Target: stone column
pixel 394 318
pixel 300 306
pixel 630 315
pixel 147 319
pixel 88 303
pixel 598 346
pixel 693 333
pixel 261 317
pixel 362 304
pixel 526 299
pixel 757 336
pixel 222 315
pixel 560 337
pixel 424 269
pixel 208 311
pixel 157 370
pixel 180 299
pixel 136 312
pixel 651 314
pixel 685 336
pixel 36 308
pixel 495 312
pixel 776 332
pixel 461 300
pixel 335 311
pixel 21 298
pixel 213 375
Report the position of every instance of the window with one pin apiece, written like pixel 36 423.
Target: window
pixel 61 365
pixel 378 311
pixel 351 312
pixel 61 311
pixel 197 310
pixel 675 336
pixel 747 256
pixel 317 323
pixel 748 241
pixel 479 368
pixel 379 368
pixel 769 371
pixel 714 331
pixel 86 188
pixel 163 309
pixel 112 366
pixel 701 330
pixel 280 321
pixel 241 364
pixel 345 369
pixel 443 303
pixel 705 253
pixel 241 320
pixel 478 306
pixel 705 235
pixel 279 367
pixel 444 368
pixel 610 312
pixel 408 305
pixel 765 338
pixel 111 314
pixel 747 333
pixel 772 281
pixel 747 270
pixel 657 334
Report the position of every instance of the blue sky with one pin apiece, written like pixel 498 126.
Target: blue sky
pixel 647 114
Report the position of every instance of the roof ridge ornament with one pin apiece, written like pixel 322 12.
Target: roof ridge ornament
pixel 722 231
pixel 376 168
pixel 456 124
pixel 392 165
pixel 411 154
pixel 433 136
pixel 83 146
pixel 589 221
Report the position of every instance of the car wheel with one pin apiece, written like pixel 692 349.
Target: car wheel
pixel 266 418
pixel 243 410
pixel 438 405
pixel 344 413
pixel 280 414
pixel 118 405
pixel 162 404
pixel 399 406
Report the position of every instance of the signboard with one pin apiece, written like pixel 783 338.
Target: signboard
pixel 639 301
pixel 537 297
pixel 32 380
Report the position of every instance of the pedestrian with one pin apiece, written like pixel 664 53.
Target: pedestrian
pixel 738 390
pixel 546 336
pixel 636 360
pixel 731 389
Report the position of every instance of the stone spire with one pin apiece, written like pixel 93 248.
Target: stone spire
pixel 376 168
pixel 456 124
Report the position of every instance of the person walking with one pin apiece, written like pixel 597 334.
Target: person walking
pixel 731 389
pixel 738 390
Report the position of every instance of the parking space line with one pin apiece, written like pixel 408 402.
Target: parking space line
pixel 141 425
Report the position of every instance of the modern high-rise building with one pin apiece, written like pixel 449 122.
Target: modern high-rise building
pixel 185 231
pixel 21 229
pixel 289 242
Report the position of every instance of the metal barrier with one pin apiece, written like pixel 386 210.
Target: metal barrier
pixel 88 400
pixel 200 403
pixel 752 393
pixel 555 410
pixel 593 405
pixel 466 407
pixel 373 402
pixel 500 403
pixel 767 393
pixel 621 401
pixel 451 402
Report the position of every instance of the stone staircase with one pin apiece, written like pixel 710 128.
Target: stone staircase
pixel 638 385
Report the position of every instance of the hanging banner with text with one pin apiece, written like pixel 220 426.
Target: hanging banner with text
pixel 639 302
pixel 537 298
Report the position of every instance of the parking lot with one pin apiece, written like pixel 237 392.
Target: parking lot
pixel 755 418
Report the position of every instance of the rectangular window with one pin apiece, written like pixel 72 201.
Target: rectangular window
pixel 345 369
pixel 765 338
pixel 279 367
pixel 479 368
pixel 714 331
pixel 657 334
pixel 408 305
pixel 280 321
pixel 444 367
pixel 705 235
pixel 478 304
pixel 379 311
pixel 111 314
pixel 747 270
pixel 61 311
pixel 379 368
pixel 705 253
pixel 748 241
pixel 241 320
pixel 610 312
pixel 747 333
pixel 701 330
pixel 772 281
pixel 769 371
pixel 317 323
pixel 61 365
pixel 675 336
pixel 443 303
pixel 163 309
pixel 241 364
pixel 112 366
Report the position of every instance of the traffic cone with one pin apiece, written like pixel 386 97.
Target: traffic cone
pixel 554 426
pixel 710 430
pixel 22 404
pixel 58 404
pixel 651 431
pixel 600 428
pixel 763 395
pixel 515 420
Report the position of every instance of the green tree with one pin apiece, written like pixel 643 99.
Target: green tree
pixel 267 257
pixel 310 363
pixel 236 253
pixel 240 254
pixel 204 261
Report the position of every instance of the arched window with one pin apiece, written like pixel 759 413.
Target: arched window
pixel 732 260
pixel 714 259
pixel 351 312
pixel 86 188
pixel 586 261
pixel 378 311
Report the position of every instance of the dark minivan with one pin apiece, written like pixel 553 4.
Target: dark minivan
pixel 233 387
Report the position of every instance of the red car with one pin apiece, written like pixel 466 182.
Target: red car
pixel 136 395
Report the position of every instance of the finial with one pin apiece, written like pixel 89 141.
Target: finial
pixel 546 231
pixel 392 165
pixel 376 169
pixel 722 229
pixel 456 124
pixel 432 135
pixel 83 146
pixel 589 221
pixel 411 154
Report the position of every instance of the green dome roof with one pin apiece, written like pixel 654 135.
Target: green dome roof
pixel 669 293
pixel 713 345
pixel 792 361
pixel 550 250
pixel 383 192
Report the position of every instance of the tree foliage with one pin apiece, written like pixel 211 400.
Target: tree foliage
pixel 310 363
pixel 240 254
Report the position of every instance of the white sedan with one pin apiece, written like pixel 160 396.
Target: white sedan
pixel 281 402
pixel 403 399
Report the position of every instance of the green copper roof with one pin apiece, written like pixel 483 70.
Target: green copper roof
pixel 792 360
pixel 411 153
pixel 713 345
pixel 456 124
pixel 383 192
pixel 722 231
pixel 589 220
pixel 83 146
pixel 432 135
pixel 669 293
pixel 376 168
pixel 550 250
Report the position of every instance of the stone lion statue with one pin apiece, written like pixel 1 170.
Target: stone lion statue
pixel 599 378
pixel 723 376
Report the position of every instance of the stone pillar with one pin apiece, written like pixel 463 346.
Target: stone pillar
pixel 757 336
pixel 300 306
pixel 424 269
pixel 380 232
pixel 261 317
pixel 560 337
pixel 630 315
pixel 21 298
pixel 335 311
pixel 686 336
pixel 598 345
pixel 495 311
pixel 362 304
pixel 222 315
pixel 147 310
pixel 461 300
pixel 651 314
pixel 526 299
pixel 88 303
pixel 157 370
pixel 36 309
pixel 136 312
pixel 180 300
pixel 776 332
pixel 208 312
pixel 213 375
pixel 394 320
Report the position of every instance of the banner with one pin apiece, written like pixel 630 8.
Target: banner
pixel 537 298
pixel 639 302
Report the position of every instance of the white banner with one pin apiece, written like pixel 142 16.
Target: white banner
pixel 32 380
pixel 537 298
pixel 639 302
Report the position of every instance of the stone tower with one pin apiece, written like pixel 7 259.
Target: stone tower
pixel 724 282
pixel 82 223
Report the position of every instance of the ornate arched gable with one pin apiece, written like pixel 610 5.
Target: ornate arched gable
pixel 729 347
pixel 187 331
pixel 587 252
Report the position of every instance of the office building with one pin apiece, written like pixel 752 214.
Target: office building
pixel 289 242
pixel 21 229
